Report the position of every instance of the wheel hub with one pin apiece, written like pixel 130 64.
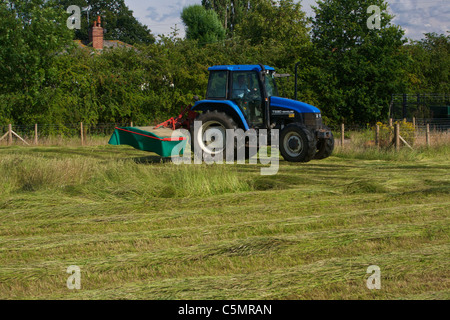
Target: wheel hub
pixel 212 137
pixel 293 144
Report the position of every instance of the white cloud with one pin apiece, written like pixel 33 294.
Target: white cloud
pixel 417 17
pixel 160 16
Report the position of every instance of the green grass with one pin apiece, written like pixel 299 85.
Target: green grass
pixel 140 228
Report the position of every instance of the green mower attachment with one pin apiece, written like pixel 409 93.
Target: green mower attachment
pixel 159 140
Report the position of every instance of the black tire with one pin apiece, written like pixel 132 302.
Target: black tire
pixel 297 143
pixel 325 148
pixel 221 121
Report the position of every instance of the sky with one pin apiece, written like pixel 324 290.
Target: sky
pixel 416 17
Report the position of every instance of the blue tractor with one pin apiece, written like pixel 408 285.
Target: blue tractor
pixel 246 97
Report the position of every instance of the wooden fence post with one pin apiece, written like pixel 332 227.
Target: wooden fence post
pixel 131 123
pixel 342 135
pixel 35 134
pixel 10 134
pixel 414 123
pixel 390 130
pixel 82 133
pixel 428 134
pixel 397 136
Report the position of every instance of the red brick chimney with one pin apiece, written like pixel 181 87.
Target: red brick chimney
pixel 96 34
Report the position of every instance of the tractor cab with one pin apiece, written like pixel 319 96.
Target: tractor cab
pixel 243 86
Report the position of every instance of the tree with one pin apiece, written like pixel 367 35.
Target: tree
pixel 202 25
pixel 117 20
pixel 358 68
pixel 32 34
pixel 429 64
pixel 230 12
pixel 267 21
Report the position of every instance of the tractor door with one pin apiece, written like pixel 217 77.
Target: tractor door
pixel 246 92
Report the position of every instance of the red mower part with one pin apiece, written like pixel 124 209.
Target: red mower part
pixel 184 120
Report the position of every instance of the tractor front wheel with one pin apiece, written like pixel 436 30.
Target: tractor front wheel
pixel 297 143
pixel 325 148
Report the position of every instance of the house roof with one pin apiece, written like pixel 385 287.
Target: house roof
pixel 115 44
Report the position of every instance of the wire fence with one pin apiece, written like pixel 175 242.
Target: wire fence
pixel 64 130
pixel 396 133
pixel 82 134
pixel 420 125
pixel 59 134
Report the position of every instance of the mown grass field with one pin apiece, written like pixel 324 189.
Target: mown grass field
pixel 142 229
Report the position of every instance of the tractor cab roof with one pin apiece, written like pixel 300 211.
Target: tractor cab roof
pixel 240 67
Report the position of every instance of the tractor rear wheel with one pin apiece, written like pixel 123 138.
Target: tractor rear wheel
pixel 297 143
pixel 217 123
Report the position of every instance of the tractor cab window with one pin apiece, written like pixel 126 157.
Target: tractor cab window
pixel 271 85
pixel 245 86
pixel 240 86
pixel 217 88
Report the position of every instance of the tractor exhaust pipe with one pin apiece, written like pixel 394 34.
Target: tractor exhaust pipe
pixel 296 75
